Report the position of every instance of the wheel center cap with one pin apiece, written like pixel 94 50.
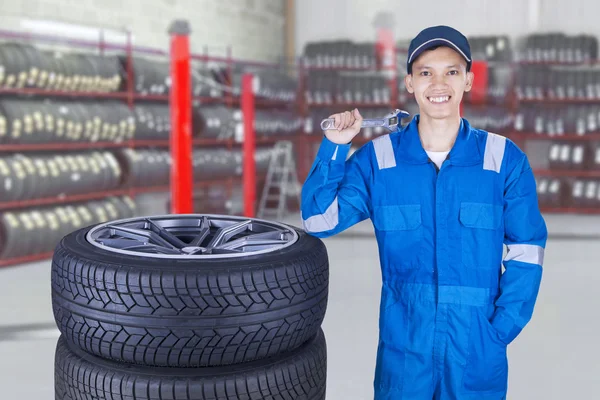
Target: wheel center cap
pixel 191 249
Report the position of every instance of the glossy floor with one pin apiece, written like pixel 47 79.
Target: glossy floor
pixel 555 358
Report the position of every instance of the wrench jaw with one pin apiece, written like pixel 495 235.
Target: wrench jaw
pixel 393 119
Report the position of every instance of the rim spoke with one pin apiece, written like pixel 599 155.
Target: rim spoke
pixel 120 243
pixel 252 243
pixel 165 234
pixel 149 248
pixel 259 239
pixel 141 235
pixel 204 231
pixel 226 233
pixel 129 233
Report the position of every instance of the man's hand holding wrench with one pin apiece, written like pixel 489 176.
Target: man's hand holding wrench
pixel 343 127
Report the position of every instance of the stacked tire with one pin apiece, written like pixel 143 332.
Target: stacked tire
pixel 222 322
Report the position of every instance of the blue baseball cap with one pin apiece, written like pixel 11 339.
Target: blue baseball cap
pixel 434 36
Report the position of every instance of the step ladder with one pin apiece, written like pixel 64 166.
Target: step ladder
pixel 281 182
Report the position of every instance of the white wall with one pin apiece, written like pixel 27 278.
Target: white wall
pixel 339 19
pixel 572 16
pixel 254 28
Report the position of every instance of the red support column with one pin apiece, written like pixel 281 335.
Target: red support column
pixel 129 68
pixel 479 90
pixel 181 119
pixel 480 82
pixel 303 143
pixel 249 163
pixel 386 53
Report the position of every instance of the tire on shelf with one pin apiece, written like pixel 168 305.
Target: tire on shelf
pixel 80 116
pixel 10 65
pixel 64 174
pixel 89 180
pixel 84 215
pixel 20 57
pixel 3 66
pixel 98 212
pixel 90 73
pixel 150 77
pixel 7 179
pixel 68 72
pixel 146 122
pixel 54 228
pixel 14 121
pixel 9 223
pixel 37 237
pixel 163 121
pixel 145 175
pixel 44 188
pixel 50 81
pixel 125 205
pixel 158 167
pixel 26 185
pixel 43 121
pixel 122 123
pixel 100 114
pixel 25 237
pixel 33 64
pixel 72 174
pixel 47 70
pixel 299 375
pixel 189 312
pixel 164 159
pixel 119 130
pixel 4 128
pixel 54 176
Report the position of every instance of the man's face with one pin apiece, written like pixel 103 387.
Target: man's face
pixel 439 79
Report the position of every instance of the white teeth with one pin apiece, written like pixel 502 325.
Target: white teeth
pixel 439 99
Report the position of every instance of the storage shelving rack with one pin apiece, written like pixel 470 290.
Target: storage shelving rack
pixel 523 137
pixel 130 97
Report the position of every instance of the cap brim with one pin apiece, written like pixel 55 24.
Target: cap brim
pixel 433 43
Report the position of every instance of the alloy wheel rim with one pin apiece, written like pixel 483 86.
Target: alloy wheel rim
pixel 192 236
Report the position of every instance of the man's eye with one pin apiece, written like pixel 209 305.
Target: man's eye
pixel 454 72
pixel 424 73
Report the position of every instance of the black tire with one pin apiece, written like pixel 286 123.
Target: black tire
pixel 188 313
pixel 298 375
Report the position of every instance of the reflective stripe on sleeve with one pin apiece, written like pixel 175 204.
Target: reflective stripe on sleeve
pixel 384 151
pixel 494 152
pixel 323 222
pixel 528 253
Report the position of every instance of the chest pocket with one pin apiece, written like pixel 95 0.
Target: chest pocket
pixel 481 234
pixel 400 234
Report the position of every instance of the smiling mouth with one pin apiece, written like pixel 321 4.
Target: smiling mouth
pixel 439 99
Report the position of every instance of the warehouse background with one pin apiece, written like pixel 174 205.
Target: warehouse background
pixel 255 28
pixel 88 142
pixel 512 17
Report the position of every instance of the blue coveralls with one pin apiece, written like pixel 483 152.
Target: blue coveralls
pixel 447 311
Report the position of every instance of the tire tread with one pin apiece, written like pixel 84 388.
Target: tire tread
pixel 192 294
pixel 301 375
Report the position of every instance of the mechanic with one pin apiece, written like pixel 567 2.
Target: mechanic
pixel 443 197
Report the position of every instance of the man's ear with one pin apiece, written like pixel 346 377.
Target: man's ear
pixel 408 83
pixel 470 77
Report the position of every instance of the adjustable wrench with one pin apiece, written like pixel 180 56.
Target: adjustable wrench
pixel 390 121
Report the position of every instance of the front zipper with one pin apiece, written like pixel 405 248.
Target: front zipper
pixel 435 218
pixel 437 171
